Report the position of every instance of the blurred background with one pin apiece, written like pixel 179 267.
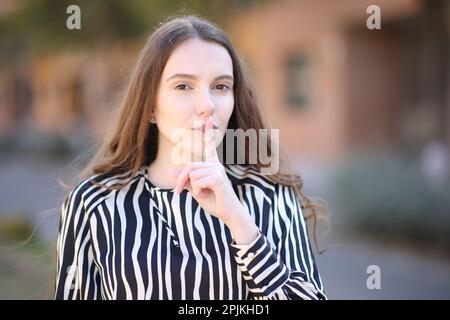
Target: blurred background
pixel 364 116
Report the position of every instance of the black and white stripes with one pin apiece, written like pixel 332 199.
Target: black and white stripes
pixel 144 242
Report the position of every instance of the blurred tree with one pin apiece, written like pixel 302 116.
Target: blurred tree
pixel 41 24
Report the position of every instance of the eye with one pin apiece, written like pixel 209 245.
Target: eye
pixel 222 87
pixel 182 87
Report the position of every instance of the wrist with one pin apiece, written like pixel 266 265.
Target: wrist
pixel 242 227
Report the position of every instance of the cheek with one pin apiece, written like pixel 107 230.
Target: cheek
pixel 172 115
pixel 173 111
pixel 223 100
pixel 224 112
pixel 226 108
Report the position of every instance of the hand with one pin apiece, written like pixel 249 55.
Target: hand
pixel 208 182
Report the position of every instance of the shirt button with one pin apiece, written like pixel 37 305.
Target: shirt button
pixel 250 256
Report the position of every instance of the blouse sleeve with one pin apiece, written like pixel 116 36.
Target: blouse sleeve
pixel 77 277
pixel 283 267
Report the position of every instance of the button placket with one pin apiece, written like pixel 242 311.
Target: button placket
pixel 166 225
pixel 250 257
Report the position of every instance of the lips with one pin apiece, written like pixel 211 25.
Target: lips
pixel 203 128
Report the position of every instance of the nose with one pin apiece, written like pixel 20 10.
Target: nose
pixel 204 104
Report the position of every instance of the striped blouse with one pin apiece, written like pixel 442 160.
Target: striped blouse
pixel 146 242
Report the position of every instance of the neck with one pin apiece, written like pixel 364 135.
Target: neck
pixel 158 170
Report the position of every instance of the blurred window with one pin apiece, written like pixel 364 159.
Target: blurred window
pixel 298 80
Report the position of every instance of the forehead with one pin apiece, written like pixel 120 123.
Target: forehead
pixel 196 56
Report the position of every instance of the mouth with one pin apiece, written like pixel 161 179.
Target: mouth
pixel 203 128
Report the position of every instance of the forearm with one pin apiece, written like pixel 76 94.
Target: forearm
pixel 242 226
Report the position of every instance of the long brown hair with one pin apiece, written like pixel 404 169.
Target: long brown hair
pixel 132 140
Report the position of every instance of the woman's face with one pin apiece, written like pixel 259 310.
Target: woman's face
pixel 197 83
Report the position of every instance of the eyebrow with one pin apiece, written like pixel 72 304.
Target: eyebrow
pixel 194 77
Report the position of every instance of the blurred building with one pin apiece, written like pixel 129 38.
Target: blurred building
pixel 63 93
pixel 331 84
pixel 335 86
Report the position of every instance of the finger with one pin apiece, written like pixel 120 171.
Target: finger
pixel 196 174
pixel 207 182
pixel 189 187
pixel 183 175
pixel 210 143
pixel 182 179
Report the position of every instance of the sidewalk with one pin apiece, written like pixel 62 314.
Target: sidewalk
pixel 405 274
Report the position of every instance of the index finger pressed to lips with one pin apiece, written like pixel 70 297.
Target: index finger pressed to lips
pixel 210 153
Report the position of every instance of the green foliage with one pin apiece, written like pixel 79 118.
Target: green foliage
pixel 15 228
pixel 41 24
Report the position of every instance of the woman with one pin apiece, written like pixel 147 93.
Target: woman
pixel 147 222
